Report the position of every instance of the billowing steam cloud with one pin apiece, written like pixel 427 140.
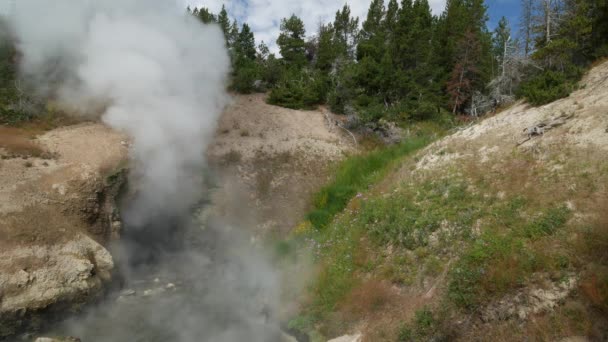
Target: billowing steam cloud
pixel 159 74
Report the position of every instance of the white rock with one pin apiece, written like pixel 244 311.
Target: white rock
pixel 348 338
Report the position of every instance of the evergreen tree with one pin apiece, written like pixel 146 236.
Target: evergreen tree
pixel 564 45
pixel 291 42
pixel 371 53
pixel 391 18
pixel 224 22
pixel 402 45
pixel 346 31
pixel 465 74
pixel 371 40
pixel 206 16
pixel 233 35
pixel 326 50
pixel 526 26
pixel 425 91
pixel 246 43
pixel 599 34
pixel 244 61
pixel 463 51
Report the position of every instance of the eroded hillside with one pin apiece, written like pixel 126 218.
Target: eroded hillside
pixel 58 190
pixel 270 161
pixel 497 232
pixel 57 209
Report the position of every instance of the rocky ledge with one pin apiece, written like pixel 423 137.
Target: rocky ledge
pixel 56 215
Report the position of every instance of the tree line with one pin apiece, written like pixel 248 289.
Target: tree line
pixel 400 62
pixel 404 63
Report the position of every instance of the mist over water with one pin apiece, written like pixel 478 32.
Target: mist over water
pixel 150 70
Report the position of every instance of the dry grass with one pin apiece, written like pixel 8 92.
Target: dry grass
pixel 372 296
pixel 42 226
pixel 18 142
pixel 593 246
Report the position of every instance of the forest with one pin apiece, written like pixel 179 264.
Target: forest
pixel 402 63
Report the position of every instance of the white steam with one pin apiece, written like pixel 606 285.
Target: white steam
pixel 158 73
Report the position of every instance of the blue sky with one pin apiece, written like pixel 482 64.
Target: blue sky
pixel 510 9
pixel 264 15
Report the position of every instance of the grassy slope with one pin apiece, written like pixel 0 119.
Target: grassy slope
pixel 478 235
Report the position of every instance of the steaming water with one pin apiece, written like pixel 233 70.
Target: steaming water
pixel 206 284
pixel 160 76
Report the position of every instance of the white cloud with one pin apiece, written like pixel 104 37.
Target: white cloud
pixel 264 16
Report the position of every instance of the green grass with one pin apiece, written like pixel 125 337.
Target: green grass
pixel 336 242
pixel 496 235
pixel 355 175
pixel 421 328
pixel 408 218
pixel 501 259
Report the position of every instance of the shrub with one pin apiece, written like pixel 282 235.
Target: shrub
pixel 244 77
pixel 299 90
pixel 548 86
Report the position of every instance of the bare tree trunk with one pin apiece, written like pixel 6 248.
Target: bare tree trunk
pixel 526 25
pixel 504 55
pixel 547 6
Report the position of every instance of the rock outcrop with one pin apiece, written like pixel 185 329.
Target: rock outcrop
pixel 55 217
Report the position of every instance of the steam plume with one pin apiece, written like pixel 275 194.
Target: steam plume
pixel 159 73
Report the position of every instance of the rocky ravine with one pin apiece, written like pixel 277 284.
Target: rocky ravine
pixel 55 216
pixel 58 213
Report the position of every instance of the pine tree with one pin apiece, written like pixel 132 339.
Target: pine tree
pixel 401 45
pixel 224 23
pixel 346 31
pixel 599 34
pixel 233 35
pixel 371 52
pixel 526 26
pixel 464 48
pixel 206 16
pixel 291 41
pixel 246 43
pixel 546 21
pixel 465 73
pixel 391 18
pixel 326 49
pixel 425 89
pixel 371 41
pixel 244 61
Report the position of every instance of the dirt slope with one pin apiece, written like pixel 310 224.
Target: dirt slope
pixel 491 233
pixel 54 214
pixel 270 159
pixel 585 114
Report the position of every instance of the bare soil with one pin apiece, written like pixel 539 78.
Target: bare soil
pixel 270 160
pixel 56 212
pixel 44 196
